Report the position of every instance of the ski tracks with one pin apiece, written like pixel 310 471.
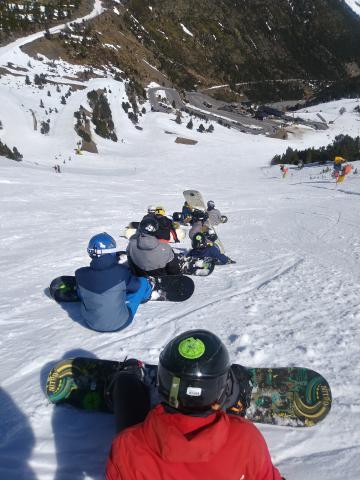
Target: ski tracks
pixel 215 312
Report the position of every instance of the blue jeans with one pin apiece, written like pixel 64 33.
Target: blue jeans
pixel 134 299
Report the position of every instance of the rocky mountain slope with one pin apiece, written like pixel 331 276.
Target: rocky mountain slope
pixel 300 46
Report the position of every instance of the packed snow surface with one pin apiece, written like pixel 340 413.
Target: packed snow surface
pixel 292 298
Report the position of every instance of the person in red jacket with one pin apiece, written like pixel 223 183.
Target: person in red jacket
pixel 190 434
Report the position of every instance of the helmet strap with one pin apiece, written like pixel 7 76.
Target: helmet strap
pixel 174 392
pixel 218 405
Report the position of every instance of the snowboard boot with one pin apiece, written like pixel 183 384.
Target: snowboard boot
pixel 129 367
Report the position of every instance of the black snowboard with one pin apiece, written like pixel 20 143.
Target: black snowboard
pixel 294 396
pixel 171 288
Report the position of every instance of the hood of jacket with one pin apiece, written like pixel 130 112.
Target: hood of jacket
pixel 146 242
pixel 182 438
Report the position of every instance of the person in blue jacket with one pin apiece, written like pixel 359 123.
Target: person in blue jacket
pixel 202 247
pixel 110 294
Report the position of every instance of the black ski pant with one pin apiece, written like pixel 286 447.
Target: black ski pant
pixel 131 400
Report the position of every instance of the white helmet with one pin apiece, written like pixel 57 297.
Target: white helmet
pixel 151 208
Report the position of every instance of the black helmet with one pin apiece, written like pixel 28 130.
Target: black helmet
pixel 199 241
pixel 149 225
pixel 194 372
pixel 210 205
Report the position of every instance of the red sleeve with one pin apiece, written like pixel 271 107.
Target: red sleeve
pixel 112 471
pixel 262 467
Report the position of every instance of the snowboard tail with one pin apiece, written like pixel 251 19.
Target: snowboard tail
pixel 172 288
pixel 194 199
pixel 81 382
pixel 291 396
pixel 63 289
pixel 296 397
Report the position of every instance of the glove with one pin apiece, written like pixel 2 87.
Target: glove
pixel 177 240
pixel 231 261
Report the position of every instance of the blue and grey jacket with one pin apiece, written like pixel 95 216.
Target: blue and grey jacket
pixel 210 251
pixel 102 288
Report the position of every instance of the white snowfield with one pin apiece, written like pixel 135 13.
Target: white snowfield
pixel 293 298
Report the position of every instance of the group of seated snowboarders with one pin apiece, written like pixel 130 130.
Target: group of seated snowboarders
pixel 111 292
pixel 193 431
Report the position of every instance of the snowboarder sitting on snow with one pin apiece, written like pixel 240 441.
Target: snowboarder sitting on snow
pixel 202 248
pixel 166 229
pixel 198 429
pixel 186 213
pixel 147 255
pixel 214 215
pixel 198 224
pixel 110 294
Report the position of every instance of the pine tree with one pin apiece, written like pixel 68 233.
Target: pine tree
pixel 178 118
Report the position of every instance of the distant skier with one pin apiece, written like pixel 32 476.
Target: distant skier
pixel 284 170
pixel 148 256
pixel 203 248
pixel 346 169
pixel 193 432
pixel 337 167
pixel 110 294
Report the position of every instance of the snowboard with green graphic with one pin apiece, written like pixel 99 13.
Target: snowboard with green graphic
pixel 294 396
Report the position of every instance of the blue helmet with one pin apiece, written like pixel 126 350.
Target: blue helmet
pixel 101 244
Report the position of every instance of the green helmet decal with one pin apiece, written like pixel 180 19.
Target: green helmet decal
pixel 191 348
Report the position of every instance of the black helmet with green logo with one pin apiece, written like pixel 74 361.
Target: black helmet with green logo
pixel 194 372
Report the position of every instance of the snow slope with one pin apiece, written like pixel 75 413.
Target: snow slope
pixel 291 299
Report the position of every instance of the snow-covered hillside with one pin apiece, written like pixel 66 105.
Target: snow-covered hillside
pixel 291 299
